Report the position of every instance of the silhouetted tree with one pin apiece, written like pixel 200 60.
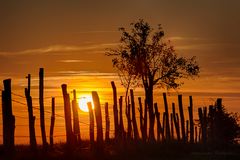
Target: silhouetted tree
pixel 143 56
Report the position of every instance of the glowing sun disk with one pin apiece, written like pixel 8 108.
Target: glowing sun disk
pixel 82 103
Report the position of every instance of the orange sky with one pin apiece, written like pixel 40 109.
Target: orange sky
pixel 69 38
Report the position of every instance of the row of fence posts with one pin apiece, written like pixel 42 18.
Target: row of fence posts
pixel 171 125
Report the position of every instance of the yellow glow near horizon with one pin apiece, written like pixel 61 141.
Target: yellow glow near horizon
pixel 82 102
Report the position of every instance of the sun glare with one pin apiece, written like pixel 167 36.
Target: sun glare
pixel 82 102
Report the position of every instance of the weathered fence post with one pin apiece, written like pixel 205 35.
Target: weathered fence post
pixel 76 128
pixel 115 110
pixel 182 118
pixel 159 127
pixel 172 130
pixel 107 123
pixel 134 121
pixel 190 111
pixel 98 115
pixel 142 120
pixel 128 115
pixel 145 119
pixel 31 118
pixel 202 118
pixel 164 127
pixel 91 126
pixel 167 117
pixel 121 126
pixel 187 130
pixel 52 122
pixel 8 117
pixel 176 122
pixel 67 113
pixel 41 104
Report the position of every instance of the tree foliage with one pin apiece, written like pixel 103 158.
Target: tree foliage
pixel 143 55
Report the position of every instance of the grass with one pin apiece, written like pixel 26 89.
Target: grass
pixel 122 151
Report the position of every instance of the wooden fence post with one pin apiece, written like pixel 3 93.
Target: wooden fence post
pixel 182 118
pixel 76 128
pixel 8 117
pixel 52 122
pixel 41 104
pixel 176 122
pixel 121 126
pixel 31 119
pixel 115 110
pixel 128 115
pixel 164 127
pixel 67 113
pixel 203 128
pixel 98 115
pixel 141 120
pixel 91 126
pixel 145 119
pixel 159 127
pixel 134 121
pixel 107 123
pixel 187 130
pixel 167 117
pixel 172 130
pixel 190 111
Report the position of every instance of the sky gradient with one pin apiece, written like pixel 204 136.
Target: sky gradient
pixel 69 39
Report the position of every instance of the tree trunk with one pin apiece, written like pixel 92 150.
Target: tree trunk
pixel 149 99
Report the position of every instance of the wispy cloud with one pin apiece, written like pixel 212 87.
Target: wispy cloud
pixel 181 38
pixel 74 61
pixel 59 49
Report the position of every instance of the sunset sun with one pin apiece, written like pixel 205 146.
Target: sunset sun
pixel 82 102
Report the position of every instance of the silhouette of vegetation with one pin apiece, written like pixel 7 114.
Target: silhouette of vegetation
pixel 144 58
pixel 223 126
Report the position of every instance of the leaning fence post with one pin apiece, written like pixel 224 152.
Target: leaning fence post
pixel 98 115
pixel 31 119
pixel 41 104
pixel 67 113
pixel 115 110
pixel 52 122
pixel 8 117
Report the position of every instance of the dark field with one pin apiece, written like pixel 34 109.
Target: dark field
pixel 120 151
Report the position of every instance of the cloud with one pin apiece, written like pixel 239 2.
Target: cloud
pixel 59 49
pixel 181 38
pixel 74 61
